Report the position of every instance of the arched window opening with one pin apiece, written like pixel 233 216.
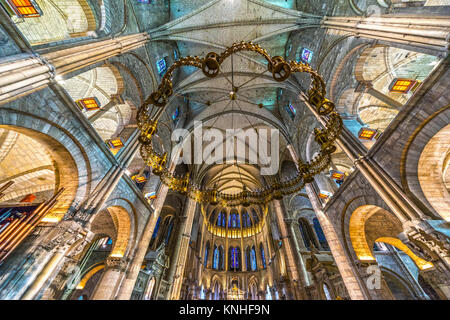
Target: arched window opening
pixel 219 219
pixel 224 219
pixel 234 254
pixel 216 258
pixel 155 231
pixel 176 116
pixel 246 221
pixel 255 217
pixel 263 256
pixel 169 232
pixel 221 259
pixel 253 259
pixel 205 262
pixel 320 235
pixel 306 232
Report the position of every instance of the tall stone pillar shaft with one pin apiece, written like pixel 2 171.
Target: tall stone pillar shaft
pixel 109 282
pixel 128 284
pixel 291 266
pixel 400 204
pixel 428 34
pixel 23 74
pixel 181 250
pixel 294 225
pixel 50 266
pixel 349 276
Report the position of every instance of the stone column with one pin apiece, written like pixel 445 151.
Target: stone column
pixel 428 34
pixel 293 224
pixel 291 266
pixel 51 265
pixel 28 274
pixel 107 286
pixel 403 207
pixel 23 74
pixel 349 277
pixel 181 250
pixel 128 284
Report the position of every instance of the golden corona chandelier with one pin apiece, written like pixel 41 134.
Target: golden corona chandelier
pixel 151 111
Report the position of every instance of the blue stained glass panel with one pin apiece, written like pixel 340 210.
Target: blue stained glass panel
pixel 155 231
pixel 263 257
pixel 161 66
pixel 216 259
pixel 253 259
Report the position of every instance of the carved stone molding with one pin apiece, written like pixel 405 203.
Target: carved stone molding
pixel 116 263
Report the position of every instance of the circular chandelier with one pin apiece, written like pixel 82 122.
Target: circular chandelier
pixel 153 107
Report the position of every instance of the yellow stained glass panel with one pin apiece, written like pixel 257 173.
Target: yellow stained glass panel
pixel 25 8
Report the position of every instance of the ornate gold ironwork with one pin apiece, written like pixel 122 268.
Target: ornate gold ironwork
pixel 147 120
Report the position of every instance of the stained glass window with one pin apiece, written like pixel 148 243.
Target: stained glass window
pixel 233 221
pixel 234 261
pixel 367 133
pixel 291 111
pixel 253 258
pixel 263 256
pixel 247 258
pixel 25 8
pixel 216 258
pixel 206 253
pixel 224 219
pixel 115 143
pixel 238 221
pixel 88 104
pixel 162 66
pixel 255 217
pixel 401 85
pixel 175 115
pixel 304 232
pixel 320 235
pixel 306 55
pixel 155 231
pixel 221 259
pixel 219 219
pixel 169 231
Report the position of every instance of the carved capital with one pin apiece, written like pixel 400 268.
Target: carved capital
pixel 64 235
pixel 427 242
pixel 116 263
